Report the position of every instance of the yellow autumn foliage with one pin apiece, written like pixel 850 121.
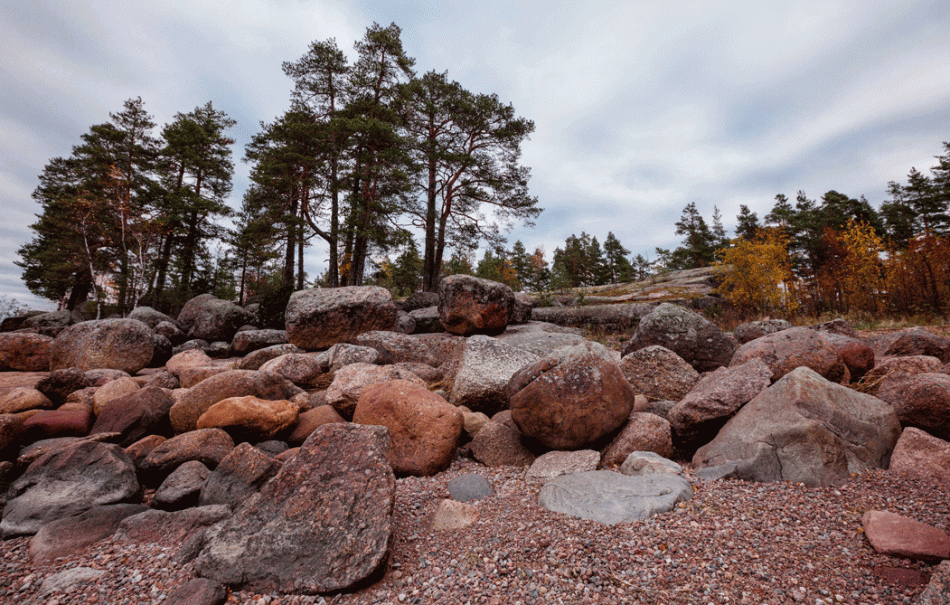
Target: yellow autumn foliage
pixel 757 274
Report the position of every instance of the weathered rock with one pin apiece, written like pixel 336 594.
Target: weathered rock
pixel 68 481
pixel 716 398
pixel 890 372
pixel 344 392
pixel 69 580
pixel 609 497
pixel 690 335
pixel 21 399
pixel 937 591
pixel 248 341
pixel 557 463
pixel 162 351
pixel 121 344
pixel 643 432
pixel 141 413
pixel 250 418
pixel 302 369
pixel 426 321
pixel 856 354
pixel 540 338
pixel 919 341
pixel 319 318
pixel 236 383
pixel 472 422
pixel 920 400
pixel 571 398
pixel 789 349
pixel 424 428
pixel 255 360
pixel 757 329
pixel 919 454
pixel 394 347
pixel 199 591
pixel 60 383
pixel 25 352
pixel 899 536
pixel 49 324
pixel 311 420
pixel 658 373
pixel 150 317
pixel 170 331
pixel 344 354
pixel 189 377
pixel 427 373
pixel 470 487
pixel 181 488
pixel 470 305
pixel 241 474
pixel 839 326
pixel 208 318
pixel 659 408
pixel 192 358
pixel 452 514
pixel 141 448
pixel 191 345
pixel 114 389
pixel 218 350
pixel 805 429
pixel 59 423
pixel 405 324
pixel 418 300
pixel 639 464
pixel 500 445
pixel 322 524
pixel 169 528
pixel 69 535
pixel 207 446
pixel 607 317
pixel 482 379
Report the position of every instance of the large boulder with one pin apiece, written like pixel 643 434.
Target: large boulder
pixel 235 383
pixel 690 335
pixel 67 481
pixel 757 329
pixel 322 524
pixel 248 341
pixel 805 429
pixel 920 342
pixel 789 349
pixel 120 344
pixel 25 352
pixel 150 317
pixel 482 379
pixel 49 324
pixel 658 373
pixel 423 427
pixel 137 415
pixel 571 398
pixel 250 418
pixel 920 400
pixel 213 319
pixel 919 454
pixel 348 383
pixel 20 399
pixel 320 318
pixel 59 384
pixel 470 305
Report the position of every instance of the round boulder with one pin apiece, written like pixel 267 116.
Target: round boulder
pixel 690 335
pixel 119 344
pixel 250 418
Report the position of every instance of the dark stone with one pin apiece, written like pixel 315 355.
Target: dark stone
pixel 241 474
pixel 144 412
pixel 688 334
pixel 69 535
pixel 60 383
pixel 181 488
pixel 470 305
pixel 199 591
pixel 470 487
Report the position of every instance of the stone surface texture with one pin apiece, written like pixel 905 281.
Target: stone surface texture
pixel 688 334
pixel 658 373
pixel 120 344
pixel 486 367
pixel 471 305
pixel 320 318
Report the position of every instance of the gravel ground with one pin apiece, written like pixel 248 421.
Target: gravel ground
pixel 735 542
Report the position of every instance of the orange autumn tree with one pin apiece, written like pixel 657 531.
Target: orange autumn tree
pixel 851 278
pixel 757 273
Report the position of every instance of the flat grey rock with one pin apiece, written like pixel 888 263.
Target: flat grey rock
pixel 609 497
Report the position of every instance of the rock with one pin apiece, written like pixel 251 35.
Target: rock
pixel 161 352
pixel 540 339
pixel 757 329
pixel 840 326
pixel 170 331
pixel 322 524
pixel 921 455
pixel 150 317
pixel 69 535
pixel 716 398
pixel 103 376
pixel 249 341
pixel 189 377
pixel 169 528
pixel 890 372
pixel 236 383
pixel 181 488
pixel 919 341
pixel 208 446
pixel 218 350
pixel 344 392
pixel 311 420
pixel 426 321
pixel 60 383
pixel 250 418
pixel 609 497
pixel 690 335
pixel 805 429
pixel 521 312
pixel 272 447
pixel 639 464
pixel 191 345
pixel 452 514
pixel 899 536
pixel 472 422
pixel 59 423
pixel 470 305
pixel 68 481
pixel 241 474
pixel 937 591
pixel 141 448
pixel 500 445
pixel 69 580
pixel 25 352
pixel 301 369
pixel 920 400
pixel 470 487
pixel 206 317
pixel 320 318
pixel 659 408
pixel 607 317
pixel 856 354
pixel 115 389
pixel 424 428
pixel 405 324
pixel 557 463
pixel 192 358
pixel 643 432
pixel 20 399
pixel 418 300
pixel 344 354
pixel 141 413
pixel 789 349
pixel 49 324
pixel 427 373
pixel 571 398
pixel 394 347
pixel 120 344
pixel 482 379
pixel 658 373
pixel 258 358
pixel 199 591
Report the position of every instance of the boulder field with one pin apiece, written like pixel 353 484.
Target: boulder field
pixel 275 453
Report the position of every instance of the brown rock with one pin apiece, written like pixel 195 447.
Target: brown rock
pixel 424 428
pixel 348 384
pixel 25 352
pixel 453 515
pixel 789 349
pixel 320 318
pixel 59 423
pixel 250 418
pixel 856 354
pixel 919 454
pixel 252 340
pixel 757 329
pixel 11 431
pixel 643 433
pixel 207 446
pixel 23 398
pixel 241 474
pixel 65 537
pixel 199 591
pixel 141 413
pixel 920 400
pixel 115 389
pixel 139 450
pixel 343 354
pixel 322 524
pixel 500 445
pixel 192 358
pixel 470 305
pixel 181 488
pixel 571 398
pixel 121 344
pixel 311 420
pixel 899 536
pixel 658 373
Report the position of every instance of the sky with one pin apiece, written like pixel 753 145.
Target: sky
pixel 640 108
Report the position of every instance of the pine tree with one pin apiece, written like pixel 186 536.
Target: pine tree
pixel 747 223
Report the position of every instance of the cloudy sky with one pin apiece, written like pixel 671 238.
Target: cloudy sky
pixel 640 107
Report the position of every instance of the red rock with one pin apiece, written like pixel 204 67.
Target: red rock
pixel 470 305
pixel 643 433
pixel 920 400
pixel 919 454
pixel 25 352
pixel 344 392
pixel 192 358
pixel 311 420
pixel 141 413
pixel 919 341
pixel 856 354
pixel 235 383
pixel 208 446
pixel 896 535
pixel 793 348
pixel 59 423
pixel 250 418
pixel 320 318
pixel 658 373
pixel 500 445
